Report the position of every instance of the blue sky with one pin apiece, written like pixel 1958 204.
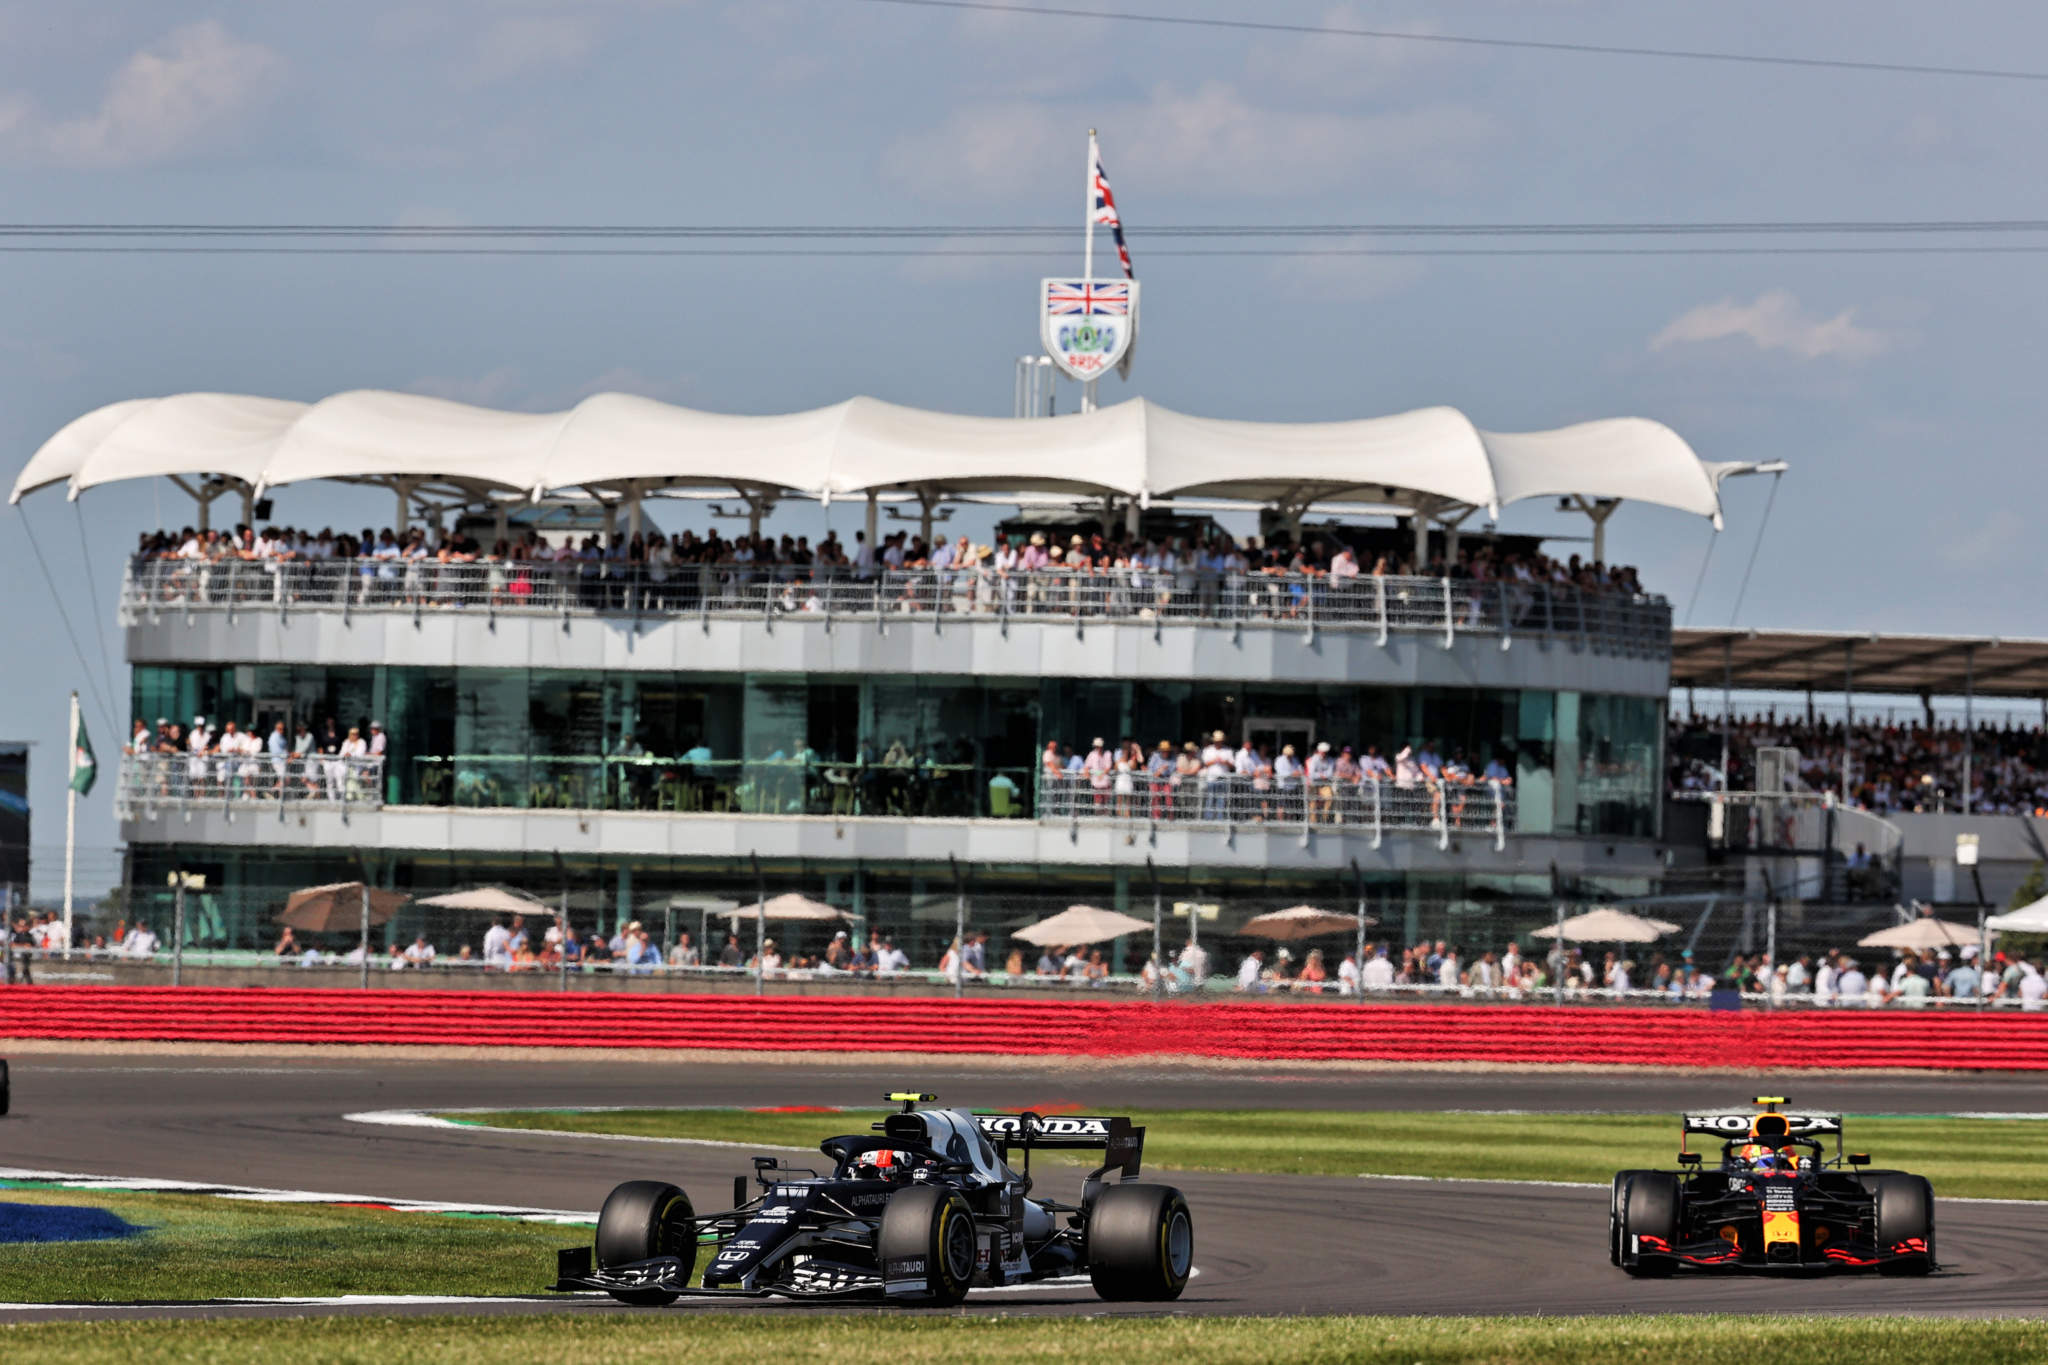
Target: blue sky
pixel 1903 389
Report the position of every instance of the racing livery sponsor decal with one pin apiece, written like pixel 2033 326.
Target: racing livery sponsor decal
pixel 1064 1126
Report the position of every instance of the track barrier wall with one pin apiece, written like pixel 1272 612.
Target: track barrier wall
pixel 1420 1034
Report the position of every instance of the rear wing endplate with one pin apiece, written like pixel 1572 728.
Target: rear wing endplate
pixel 1121 1142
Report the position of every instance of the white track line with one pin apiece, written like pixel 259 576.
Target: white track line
pixel 110 1184
pixel 419 1118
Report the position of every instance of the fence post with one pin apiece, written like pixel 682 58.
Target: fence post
pixel 1377 831
pixel 1450 614
pixel 1379 592
pixel 1500 838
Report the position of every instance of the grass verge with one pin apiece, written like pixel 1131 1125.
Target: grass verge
pixel 853 1339
pixel 1994 1158
pixel 203 1247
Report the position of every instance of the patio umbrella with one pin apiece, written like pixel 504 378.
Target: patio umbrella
pixel 1302 921
pixel 1924 932
pixel 342 905
pixel 327 909
pixel 490 900
pixel 1605 924
pixel 789 906
pixel 1081 924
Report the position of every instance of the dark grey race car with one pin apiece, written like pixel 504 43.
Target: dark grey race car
pixel 920 1214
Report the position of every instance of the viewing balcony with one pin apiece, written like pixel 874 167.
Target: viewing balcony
pixel 1381 608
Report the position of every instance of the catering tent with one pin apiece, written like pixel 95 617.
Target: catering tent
pixel 2028 919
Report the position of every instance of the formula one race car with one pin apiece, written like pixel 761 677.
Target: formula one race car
pixel 920 1214
pixel 1776 1201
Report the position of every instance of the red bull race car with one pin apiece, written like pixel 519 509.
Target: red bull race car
pixel 1776 1200
pixel 920 1211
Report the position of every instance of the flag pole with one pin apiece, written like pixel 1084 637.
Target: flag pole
pixel 1088 252
pixel 70 816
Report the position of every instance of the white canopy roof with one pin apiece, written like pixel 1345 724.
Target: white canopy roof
pixel 1133 449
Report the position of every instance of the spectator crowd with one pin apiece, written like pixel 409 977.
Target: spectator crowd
pixel 652 570
pixel 1892 767
pixel 1248 782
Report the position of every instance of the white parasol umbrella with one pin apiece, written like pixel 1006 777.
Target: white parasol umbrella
pixel 790 906
pixel 490 900
pixel 1605 924
pixel 1924 932
pixel 1301 921
pixel 1081 924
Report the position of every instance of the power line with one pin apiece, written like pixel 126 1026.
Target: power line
pixel 806 253
pixel 926 232
pixel 1469 40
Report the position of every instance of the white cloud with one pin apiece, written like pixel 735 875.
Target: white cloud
pixel 1210 139
pixel 189 91
pixel 1776 322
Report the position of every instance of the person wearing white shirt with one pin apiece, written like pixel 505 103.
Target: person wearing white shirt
pixel 1447 972
pixel 1347 975
pixel 1249 969
pixel 2033 988
pixel 1194 963
pixel 198 743
pixel 1850 984
pixel 1378 972
pixel 1825 979
pixel 341 774
pixel 497 946
pixel 140 942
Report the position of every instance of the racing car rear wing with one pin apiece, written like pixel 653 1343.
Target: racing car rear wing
pixel 1733 1126
pixel 1122 1142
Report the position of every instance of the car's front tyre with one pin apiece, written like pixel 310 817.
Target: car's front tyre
pixel 1903 1217
pixel 1649 1209
pixel 1141 1243
pixel 926 1247
pixel 640 1220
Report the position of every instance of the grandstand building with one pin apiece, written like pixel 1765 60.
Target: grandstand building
pixel 650 729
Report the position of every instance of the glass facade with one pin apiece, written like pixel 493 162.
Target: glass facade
pixel 912 903
pixel 904 745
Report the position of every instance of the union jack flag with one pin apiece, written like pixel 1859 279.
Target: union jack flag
pixel 1103 297
pixel 1105 214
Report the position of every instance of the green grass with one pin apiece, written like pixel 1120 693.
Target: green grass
pixel 892 1339
pixel 203 1246
pixel 1999 1158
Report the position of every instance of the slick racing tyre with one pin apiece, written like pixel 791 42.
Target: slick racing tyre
pixel 1649 1208
pixel 1141 1243
pixel 1614 1216
pixel 1904 1215
pixel 643 1219
pixel 926 1246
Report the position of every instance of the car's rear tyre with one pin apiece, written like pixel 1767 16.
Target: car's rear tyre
pixel 1141 1243
pixel 1904 1214
pixel 927 1239
pixel 1649 1208
pixel 643 1219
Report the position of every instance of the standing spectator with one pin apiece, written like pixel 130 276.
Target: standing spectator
pixel 1248 971
pixel 685 953
pixel 731 955
pixel 1851 984
pixel 498 945
pixel 420 953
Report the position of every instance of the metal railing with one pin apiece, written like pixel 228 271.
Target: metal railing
pixel 1368 808
pixel 1866 849
pixel 684 785
pixel 1606 622
pixel 150 782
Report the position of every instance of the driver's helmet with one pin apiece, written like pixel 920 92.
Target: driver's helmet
pixel 883 1163
pixel 1766 1160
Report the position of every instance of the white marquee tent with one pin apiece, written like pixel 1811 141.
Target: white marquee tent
pixel 1430 458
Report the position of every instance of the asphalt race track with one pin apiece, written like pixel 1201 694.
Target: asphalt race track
pixel 1265 1244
